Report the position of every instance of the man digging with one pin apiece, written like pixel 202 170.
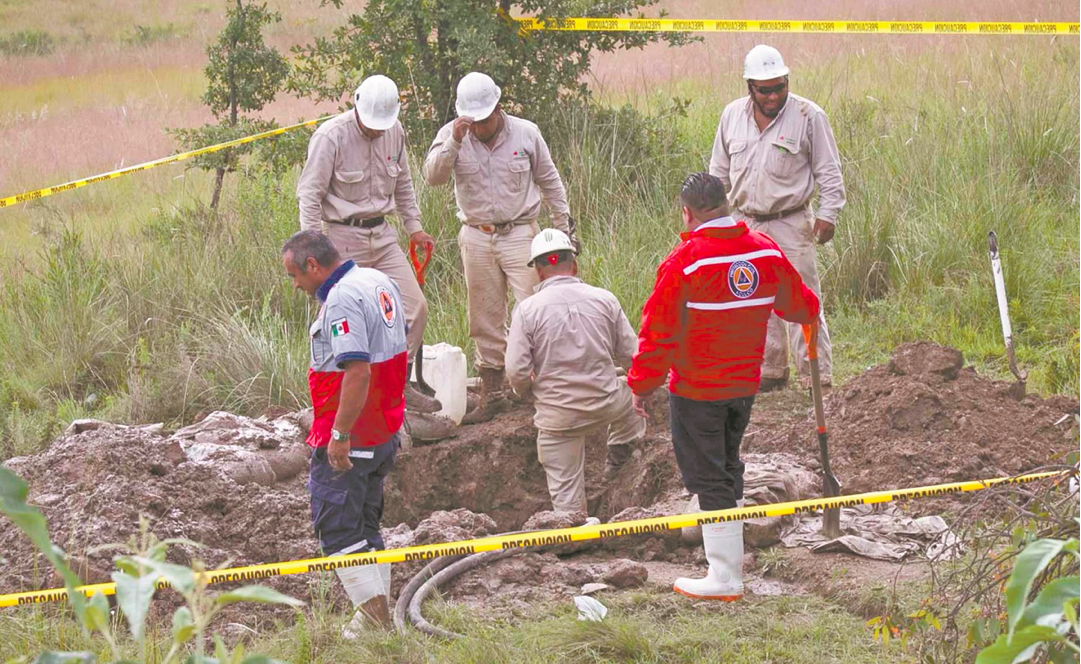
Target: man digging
pixel 704 329
pixel 565 343
pixel 357 382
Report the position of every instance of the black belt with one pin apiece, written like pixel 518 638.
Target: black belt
pixel 359 223
pixel 771 217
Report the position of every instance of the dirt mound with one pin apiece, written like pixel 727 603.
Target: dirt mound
pixel 924 418
pixel 94 485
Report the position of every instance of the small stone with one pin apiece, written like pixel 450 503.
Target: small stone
pixel 624 573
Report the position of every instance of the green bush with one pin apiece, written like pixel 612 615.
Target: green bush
pixel 27 42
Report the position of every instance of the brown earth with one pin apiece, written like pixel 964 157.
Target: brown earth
pixel 238 486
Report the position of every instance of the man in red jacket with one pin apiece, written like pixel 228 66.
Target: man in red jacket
pixel 704 327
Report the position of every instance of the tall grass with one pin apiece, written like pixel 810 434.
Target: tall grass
pixel 191 312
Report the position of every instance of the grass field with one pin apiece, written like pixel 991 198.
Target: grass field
pixel 130 301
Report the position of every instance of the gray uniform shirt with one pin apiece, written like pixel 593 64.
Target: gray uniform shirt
pixel 349 175
pixel 503 182
pixel 571 337
pixel 766 172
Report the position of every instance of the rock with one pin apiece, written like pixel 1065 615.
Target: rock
pixel 459 524
pixel 550 520
pixel 79 426
pixel 926 359
pixel 762 532
pixel 623 573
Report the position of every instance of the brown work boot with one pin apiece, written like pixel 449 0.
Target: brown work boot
pixel 493 400
pixel 616 457
pixel 419 402
pixel 773 384
pixel 429 427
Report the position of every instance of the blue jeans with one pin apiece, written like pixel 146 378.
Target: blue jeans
pixel 347 505
pixel 706 436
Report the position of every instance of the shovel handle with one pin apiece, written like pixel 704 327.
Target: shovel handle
pixel 810 335
pixel 418 266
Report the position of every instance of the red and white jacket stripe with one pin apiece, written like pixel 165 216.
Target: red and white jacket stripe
pixel 705 322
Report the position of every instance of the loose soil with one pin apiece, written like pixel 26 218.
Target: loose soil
pixel 238 487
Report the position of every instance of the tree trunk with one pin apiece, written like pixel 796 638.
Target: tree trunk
pixel 218 177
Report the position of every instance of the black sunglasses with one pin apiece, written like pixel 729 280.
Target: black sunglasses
pixel 773 89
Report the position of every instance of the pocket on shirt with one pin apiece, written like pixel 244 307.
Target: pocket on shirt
pixel 784 159
pixel 520 172
pixel 737 158
pixel 466 167
pixel 387 186
pixel 350 185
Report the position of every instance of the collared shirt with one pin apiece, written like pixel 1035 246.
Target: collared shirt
pixel 349 175
pixel 361 319
pixel 504 181
pixel 771 171
pixel 570 337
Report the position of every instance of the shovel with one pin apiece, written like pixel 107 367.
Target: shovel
pixel 831 518
pixel 419 267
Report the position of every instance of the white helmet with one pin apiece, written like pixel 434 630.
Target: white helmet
pixel 763 63
pixel 377 102
pixel 477 96
pixel 548 241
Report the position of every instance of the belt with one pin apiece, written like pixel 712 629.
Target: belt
pixel 772 217
pixel 501 227
pixel 359 223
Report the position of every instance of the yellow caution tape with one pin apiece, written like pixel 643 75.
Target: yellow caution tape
pixel 547 537
pixel 111 175
pixel 816 27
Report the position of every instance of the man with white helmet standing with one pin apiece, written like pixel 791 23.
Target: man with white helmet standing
pixel 502 172
pixel 771 150
pixel 357 173
pixel 564 345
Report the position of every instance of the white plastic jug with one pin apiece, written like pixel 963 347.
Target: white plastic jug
pixel 444 371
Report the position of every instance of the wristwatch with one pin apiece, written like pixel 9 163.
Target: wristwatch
pixel 337 436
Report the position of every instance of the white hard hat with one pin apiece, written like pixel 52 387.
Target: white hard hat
pixel 548 241
pixel 763 63
pixel 477 96
pixel 377 102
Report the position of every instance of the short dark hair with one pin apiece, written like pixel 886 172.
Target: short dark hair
pixel 562 256
pixel 311 244
pixel 703 192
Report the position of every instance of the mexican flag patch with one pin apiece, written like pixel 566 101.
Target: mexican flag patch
pixel 339 328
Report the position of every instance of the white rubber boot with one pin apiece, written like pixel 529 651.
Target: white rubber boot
pixel 723 543
pixel 367 590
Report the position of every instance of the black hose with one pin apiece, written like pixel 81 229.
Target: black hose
pixel 430 585
pixel 406 595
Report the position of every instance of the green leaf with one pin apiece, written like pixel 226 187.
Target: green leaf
pixel 52 657
pixel 13 494
pixel 1005 650
pixel 1052 600
pixel 183 625
pixel 97 613
pixel 181 578
pixel 1030 562
pixel 257 594
pixel 220 651
pixel 133 594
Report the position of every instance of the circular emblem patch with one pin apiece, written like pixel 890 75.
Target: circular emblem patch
pixel 742 279
pixel 386 305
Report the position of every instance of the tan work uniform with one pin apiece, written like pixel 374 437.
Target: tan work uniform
pixel 773 172
pixel 350 176
pixel 498 187
pixel 564 344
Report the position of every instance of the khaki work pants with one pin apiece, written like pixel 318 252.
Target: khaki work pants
pixel 563 454
pixel 492 261
pixel 378 248
pixel 795 235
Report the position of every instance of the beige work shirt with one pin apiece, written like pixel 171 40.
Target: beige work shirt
pixel 777 169
pixel 570 337
pixel 504 181
pixel 349 175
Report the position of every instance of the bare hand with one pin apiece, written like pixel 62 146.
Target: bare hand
pixel 460 128
pixel 338 455
pixel 823 231
pixel 422 239
pixel 638 402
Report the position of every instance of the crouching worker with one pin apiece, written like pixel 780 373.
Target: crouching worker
pixel 564 344
pixel 704 326
pixel 357 382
